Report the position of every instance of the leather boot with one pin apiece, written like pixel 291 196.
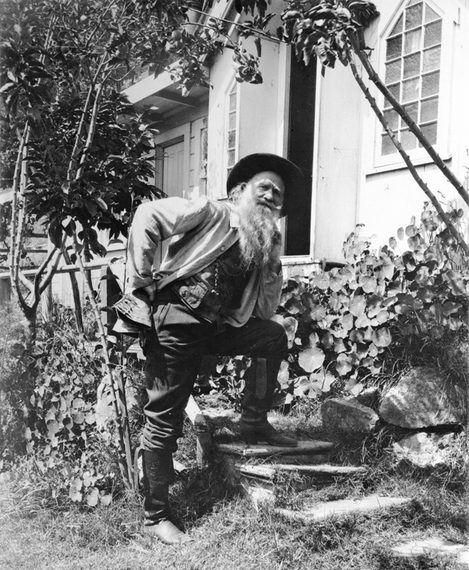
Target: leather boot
pixel 158 473
pixel 264 432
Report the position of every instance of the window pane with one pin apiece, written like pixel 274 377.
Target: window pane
pixel 412 65
pixel 231 158
pixel 395 91
pixel 387 146
pixel 430 84
pixel 413 111
pixel 429 110
pixel 432 34
pixel 392 118
pixel 410 90
pixel 430 14
pixel 412 41
pixel 431 59
pixel 231 139
pixel 430 132
pixel 394 47
pixel 413 16
pixel 232 101
pixel 232 121
pixel 408 140
pixel 398 27
pixel 393 71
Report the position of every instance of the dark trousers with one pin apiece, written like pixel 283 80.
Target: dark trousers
pixel 174 350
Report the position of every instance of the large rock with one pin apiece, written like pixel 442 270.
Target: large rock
pixel 425 449
pixel 424 397
pixel 348 415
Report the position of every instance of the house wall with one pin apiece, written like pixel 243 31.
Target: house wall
pixel 390 196
pixel 350 185
pixel 259 128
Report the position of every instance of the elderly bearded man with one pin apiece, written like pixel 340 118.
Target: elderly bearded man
pixel 214 293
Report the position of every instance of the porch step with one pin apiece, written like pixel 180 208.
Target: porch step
pixel 308 447
pixel 328 509
pixel 262 482
pixel 323 471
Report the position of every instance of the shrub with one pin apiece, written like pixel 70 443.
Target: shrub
pixel 14 386
pixel 355 322
pixel 64 441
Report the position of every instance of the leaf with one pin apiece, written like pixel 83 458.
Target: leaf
pixel 283 377
pixel 318 313
pixel 105 500
pixel 369 284
pixel 358 305
pixel 311 359
pixel 381 337
pixel 78 403
pixel 74 490
pixel 327 340
pixel 339 346
pixel 93 498
pixel 449 308
pixel 321 281
pixel 343 365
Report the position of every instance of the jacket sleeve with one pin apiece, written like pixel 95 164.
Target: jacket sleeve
pixel 153 223
pixel 268 298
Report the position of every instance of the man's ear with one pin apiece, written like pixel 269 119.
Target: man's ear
pixel 237 191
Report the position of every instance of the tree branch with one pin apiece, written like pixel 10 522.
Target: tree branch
pixel 81 126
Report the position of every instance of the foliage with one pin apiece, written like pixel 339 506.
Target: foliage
pixel 63 440
pixel 13 386
pixel 353 320
pixel 50 411
pixel 321 28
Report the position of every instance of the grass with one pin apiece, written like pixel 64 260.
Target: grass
pixel 230 534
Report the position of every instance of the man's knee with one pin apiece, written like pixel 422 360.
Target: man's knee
pixel 276 338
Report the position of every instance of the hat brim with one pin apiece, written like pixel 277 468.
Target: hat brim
pixel 291 175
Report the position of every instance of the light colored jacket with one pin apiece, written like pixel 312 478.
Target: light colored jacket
pixel 199 231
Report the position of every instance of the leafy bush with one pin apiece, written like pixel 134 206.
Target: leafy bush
pixel 58 426
pixel 14 386
pixel 356 321
pixel 61 431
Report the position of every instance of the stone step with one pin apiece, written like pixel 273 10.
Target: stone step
pixel 434 546
pixel 322 471
pixel 305 448
pixel 328 509
pixel 260 482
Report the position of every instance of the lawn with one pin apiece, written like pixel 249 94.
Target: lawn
pixel 229 533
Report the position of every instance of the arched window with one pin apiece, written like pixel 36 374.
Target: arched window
pixel 413 48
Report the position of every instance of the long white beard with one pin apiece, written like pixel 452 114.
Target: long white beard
pixel 256 230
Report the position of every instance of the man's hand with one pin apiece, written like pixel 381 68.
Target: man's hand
pixel 274 262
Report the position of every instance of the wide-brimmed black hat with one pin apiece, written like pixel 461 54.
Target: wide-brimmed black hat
pixel 291 175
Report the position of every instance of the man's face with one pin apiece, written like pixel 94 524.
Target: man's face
pixel 267 189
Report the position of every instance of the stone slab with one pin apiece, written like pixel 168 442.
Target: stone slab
pixel 435 546
pixel 345 506
pixel 323 470
pixel 304 448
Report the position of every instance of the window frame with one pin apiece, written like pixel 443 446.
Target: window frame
pixel 232 87
pixel 442 145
